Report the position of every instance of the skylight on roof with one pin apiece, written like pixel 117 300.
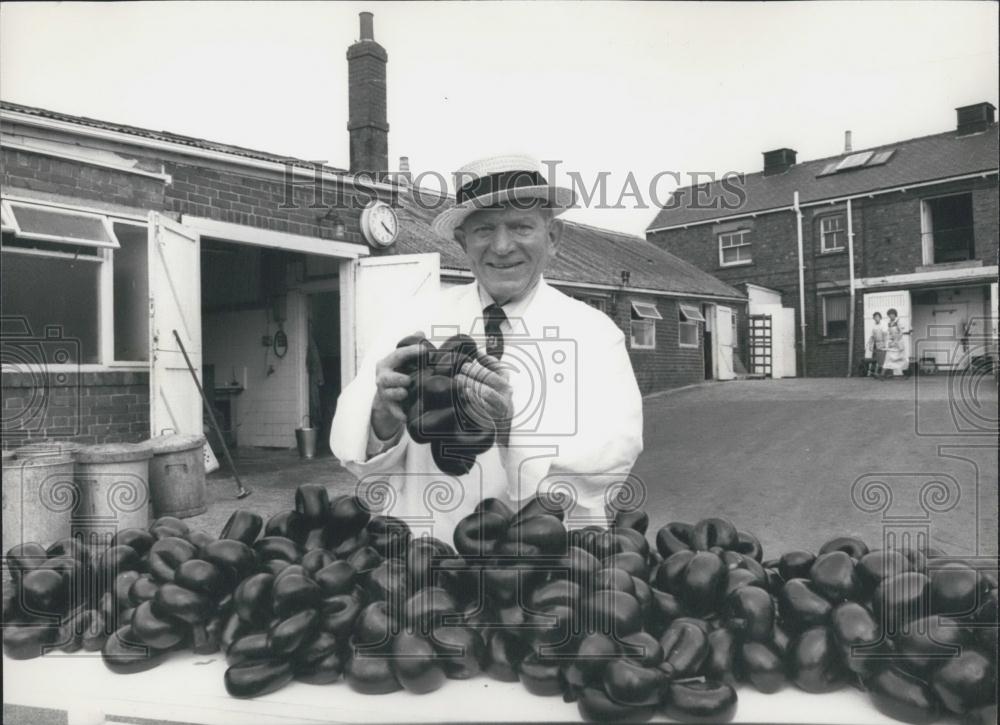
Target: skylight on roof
pixel 854 160
pixel 862 159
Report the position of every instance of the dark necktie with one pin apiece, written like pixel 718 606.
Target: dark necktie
pixel 494 316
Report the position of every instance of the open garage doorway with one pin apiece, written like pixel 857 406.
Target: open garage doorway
pixel 323 362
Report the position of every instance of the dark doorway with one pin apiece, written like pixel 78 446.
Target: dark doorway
pixel 323 362
pixel 707 344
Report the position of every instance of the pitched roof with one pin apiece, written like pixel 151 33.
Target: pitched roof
pixel 166 136
pixel 587 255
pixel 913 161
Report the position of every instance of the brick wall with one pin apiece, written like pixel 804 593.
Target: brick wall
pixel 68 178
pixel 92 407
pixel 669 365
pixel 887 242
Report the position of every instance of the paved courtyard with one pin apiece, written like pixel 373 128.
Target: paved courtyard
pixel 793 461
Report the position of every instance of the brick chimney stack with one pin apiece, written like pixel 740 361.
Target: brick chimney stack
pixel 366 102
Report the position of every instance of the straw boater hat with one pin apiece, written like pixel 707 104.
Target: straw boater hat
pixel 496 181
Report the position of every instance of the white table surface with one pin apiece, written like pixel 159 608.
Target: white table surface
pixel 189 688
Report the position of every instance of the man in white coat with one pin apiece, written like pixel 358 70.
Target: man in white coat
pixel 553 371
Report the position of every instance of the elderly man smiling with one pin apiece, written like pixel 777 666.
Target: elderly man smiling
pixel 553 372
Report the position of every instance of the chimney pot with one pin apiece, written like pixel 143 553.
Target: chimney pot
pixel 367 26
pixel 848 146
pixel 778 160
pixel 404 176
pixel 975 118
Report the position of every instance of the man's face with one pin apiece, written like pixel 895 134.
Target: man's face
pixel 508 248
pixel 877 318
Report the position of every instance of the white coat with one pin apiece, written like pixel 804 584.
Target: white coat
pixel 577 427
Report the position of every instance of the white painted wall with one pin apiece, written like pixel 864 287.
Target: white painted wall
pixel 268 410
pixel 761 296
pixel 782 338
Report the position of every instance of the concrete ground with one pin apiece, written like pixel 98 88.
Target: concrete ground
pixel 794 461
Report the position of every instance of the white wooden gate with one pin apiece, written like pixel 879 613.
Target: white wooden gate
pixel 387 283
pixel 174 304
pixel 724 343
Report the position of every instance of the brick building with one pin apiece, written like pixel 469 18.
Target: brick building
pixel 114 237
pixel 679 322
pixel 918 218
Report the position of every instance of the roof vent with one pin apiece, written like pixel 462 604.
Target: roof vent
pixel 975 118
pixel 778 160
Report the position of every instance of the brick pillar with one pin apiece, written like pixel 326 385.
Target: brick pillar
pixel 366 98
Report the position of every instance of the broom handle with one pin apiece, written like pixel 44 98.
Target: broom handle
pixel 211 416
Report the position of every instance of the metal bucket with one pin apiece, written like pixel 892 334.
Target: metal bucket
pixel 177 475
pixel 113 480
pixel 39 496
pixel 305 439
pixel 41 449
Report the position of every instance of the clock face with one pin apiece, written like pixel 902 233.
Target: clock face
pixel 381 224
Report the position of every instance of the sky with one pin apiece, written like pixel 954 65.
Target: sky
pixel 632 90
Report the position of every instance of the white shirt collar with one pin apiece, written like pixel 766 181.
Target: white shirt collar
pixel 513 310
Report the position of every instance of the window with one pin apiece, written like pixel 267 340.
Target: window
pixel 832 233
pixel 58 298
pixel 131 294
pixel 946 223
pixel 734 248
pixel 78 276
pixel 643 325
pixel 688 317
pixel 598 303
pixel 835 308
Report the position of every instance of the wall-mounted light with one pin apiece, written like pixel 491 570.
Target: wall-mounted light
pixel 336 224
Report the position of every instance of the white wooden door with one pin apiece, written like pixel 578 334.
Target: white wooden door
pixel 174 304
pixel 898 300
pixel 388 283
pixel 724 342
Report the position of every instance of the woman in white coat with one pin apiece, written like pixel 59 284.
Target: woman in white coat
pixel 897 356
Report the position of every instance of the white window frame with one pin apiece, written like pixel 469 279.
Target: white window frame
pixel 742 235
pixel 824 233
pixel 827 298
pixel 689 317
pixel 105 282
pixel 105 221
pixel 647 314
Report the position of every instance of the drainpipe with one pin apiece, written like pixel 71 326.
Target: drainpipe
pixel 802 280
pixel 850 276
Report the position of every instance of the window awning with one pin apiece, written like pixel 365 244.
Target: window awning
pixel 691 313
pixel 646 310
pixel 52 224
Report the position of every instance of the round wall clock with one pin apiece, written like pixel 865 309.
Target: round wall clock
pixel 379 224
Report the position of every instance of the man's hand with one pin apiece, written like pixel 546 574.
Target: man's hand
pixel 391 390
pixel 486 393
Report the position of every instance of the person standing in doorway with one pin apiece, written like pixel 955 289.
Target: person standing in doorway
pixel 875 348
pixel 896 354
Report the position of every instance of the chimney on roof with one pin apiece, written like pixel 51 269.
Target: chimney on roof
pixel 848 146
pixel 975 118
pixel 778 160
pixel 366 102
